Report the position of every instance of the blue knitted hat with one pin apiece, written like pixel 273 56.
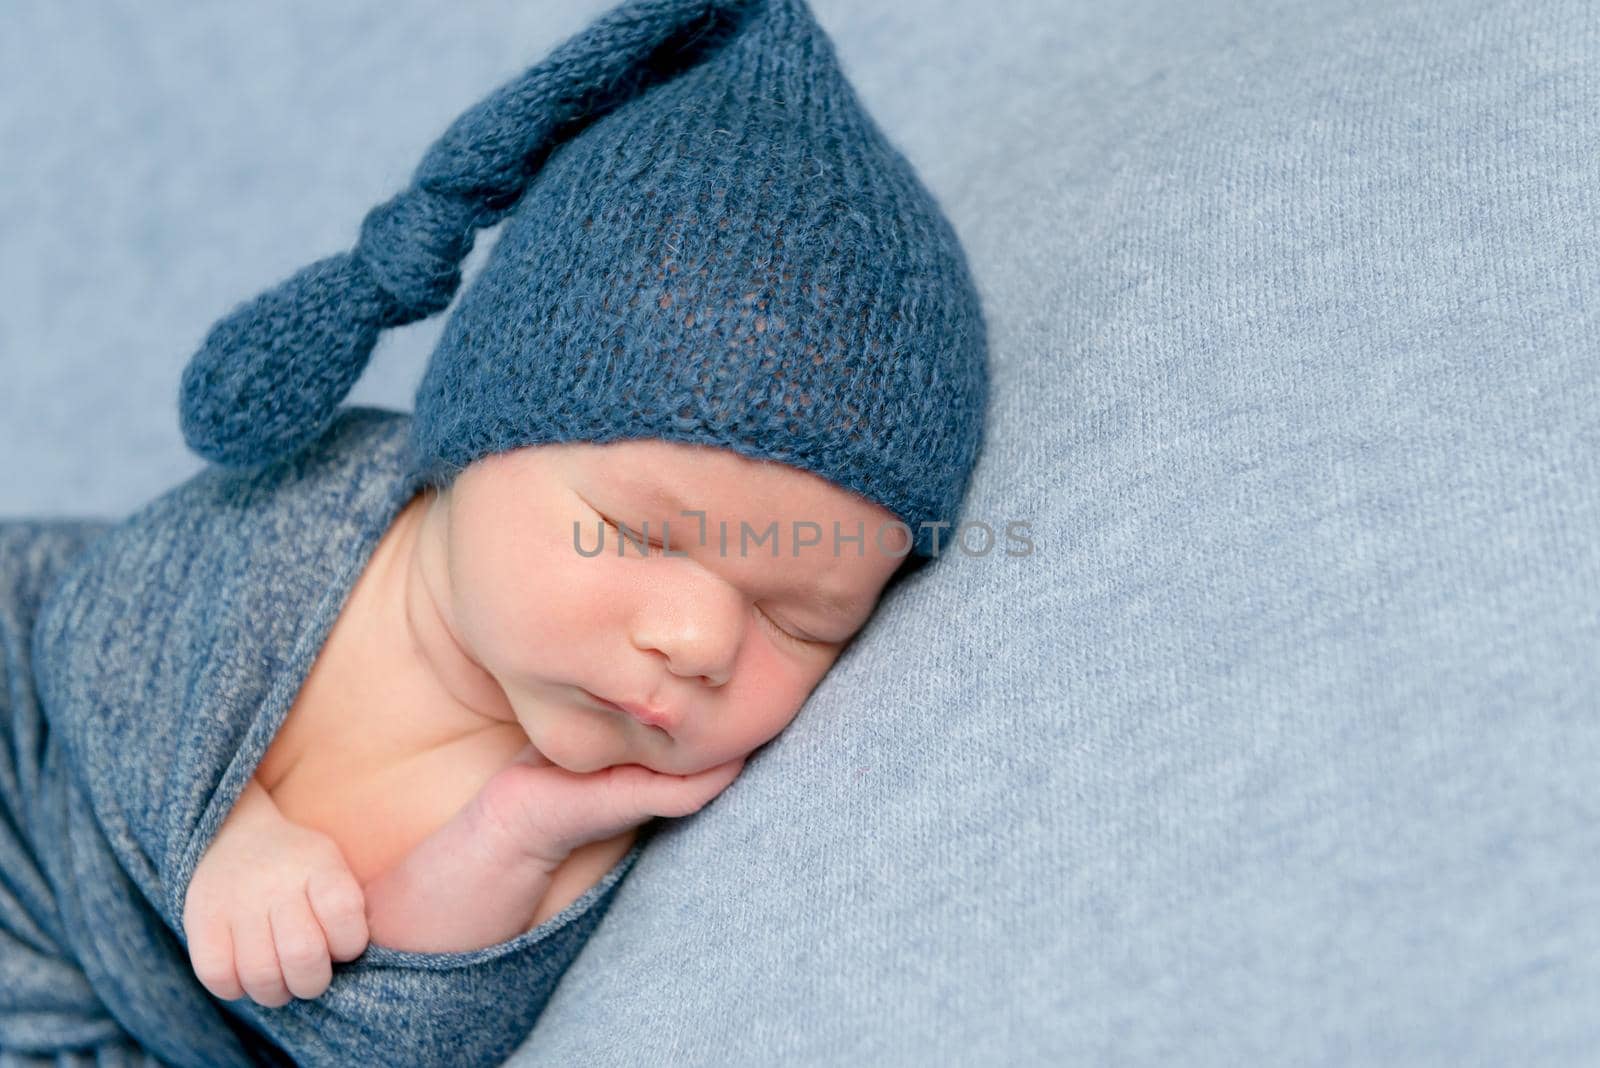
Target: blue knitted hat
pixel 707 240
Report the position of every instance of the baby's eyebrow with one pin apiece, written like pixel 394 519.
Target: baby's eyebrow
pixel 660 496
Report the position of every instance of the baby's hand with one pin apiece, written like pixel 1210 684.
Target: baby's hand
pixel 270 903
pixel 547 812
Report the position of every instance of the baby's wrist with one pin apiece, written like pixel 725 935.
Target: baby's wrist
pixel 417 905
pixel 506 845
pixel 254 808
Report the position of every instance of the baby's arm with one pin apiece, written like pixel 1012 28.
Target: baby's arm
pixel 466 886
pixel 479 879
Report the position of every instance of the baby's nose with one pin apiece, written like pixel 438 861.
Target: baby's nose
pixel 700 636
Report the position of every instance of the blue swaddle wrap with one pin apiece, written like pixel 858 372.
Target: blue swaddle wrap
pixel 164 658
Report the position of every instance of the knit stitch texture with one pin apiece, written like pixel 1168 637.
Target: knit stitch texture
pixel 707 240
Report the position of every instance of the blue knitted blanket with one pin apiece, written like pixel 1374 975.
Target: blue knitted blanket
pixel 147 665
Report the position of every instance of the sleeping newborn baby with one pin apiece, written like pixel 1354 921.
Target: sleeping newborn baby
pixel 353 737
pixel 499 705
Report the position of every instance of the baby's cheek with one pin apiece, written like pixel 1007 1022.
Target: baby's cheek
pixel 778 689
pixel 516 631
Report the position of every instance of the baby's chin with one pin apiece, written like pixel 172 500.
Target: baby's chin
pixel 583 757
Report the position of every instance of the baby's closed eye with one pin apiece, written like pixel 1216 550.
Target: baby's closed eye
pixel 789 635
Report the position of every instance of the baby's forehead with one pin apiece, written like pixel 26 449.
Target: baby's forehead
pixel 707 492
pixel 674 474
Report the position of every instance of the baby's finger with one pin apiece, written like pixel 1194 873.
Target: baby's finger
pixel 549 812
pixel 302 947
pixel 693 792
pixel 256 960
pixel 341 907
pixel 637 792
pixel 211 957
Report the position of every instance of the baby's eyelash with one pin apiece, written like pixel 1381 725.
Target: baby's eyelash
pixel 632 536
pixel 773 623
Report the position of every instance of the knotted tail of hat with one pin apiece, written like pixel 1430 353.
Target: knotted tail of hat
pixel 271 375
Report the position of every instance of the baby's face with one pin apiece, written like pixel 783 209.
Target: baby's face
pixel 723 646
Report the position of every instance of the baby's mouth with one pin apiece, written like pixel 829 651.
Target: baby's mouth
pixel 601 701
pixel 640 716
